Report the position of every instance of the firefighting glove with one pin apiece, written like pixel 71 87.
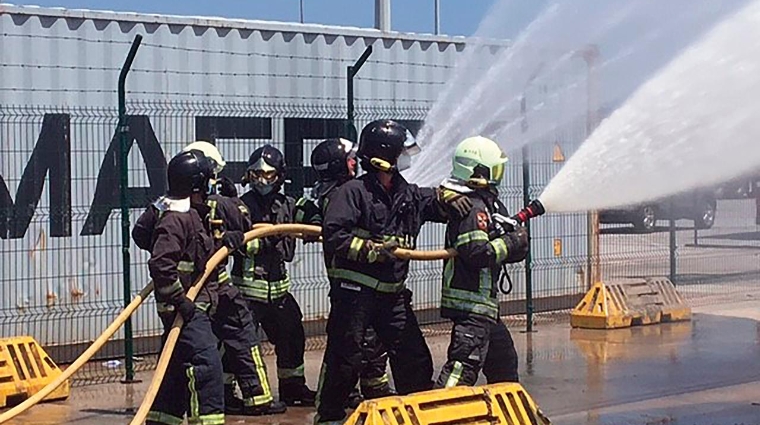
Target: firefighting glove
pixel 503 223
pixel 233 239
pixel 186 309
pixel 227 188
pixel 384 250
pixel 454 201
pixel 518 244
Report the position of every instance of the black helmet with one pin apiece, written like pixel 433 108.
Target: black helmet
pixel 330 159
pixel 380 145
pixel 188 173
pixel 266 169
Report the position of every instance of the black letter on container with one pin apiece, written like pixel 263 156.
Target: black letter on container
pixel 107 190
pixel 52 153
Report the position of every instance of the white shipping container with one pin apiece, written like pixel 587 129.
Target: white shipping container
pixel 239 83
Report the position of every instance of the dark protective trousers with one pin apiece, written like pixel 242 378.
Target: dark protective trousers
pixel 233 324
pixel 193 381
pixel 479 343
pixel 373 376
pixel 280 319
pixel 352 311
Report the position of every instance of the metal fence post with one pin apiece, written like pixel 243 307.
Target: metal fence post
pixel 526 201
pixel 590 55
pixel 672 237
pixel 351 72
pixel 529 258
pixel 123 132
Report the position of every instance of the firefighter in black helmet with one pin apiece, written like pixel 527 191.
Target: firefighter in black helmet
pixel 181 245
pixel 365 220
pixel 232 321
pixel 334 160
pixel 263 279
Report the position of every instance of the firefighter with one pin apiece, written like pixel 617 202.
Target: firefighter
pixel 181 245
pixel 263 279
pixel 485 240
pixel 335 163
pixel 365 220
pixel 233 322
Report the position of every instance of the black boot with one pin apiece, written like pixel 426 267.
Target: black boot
pixel 373 392
pixel 294 392
pixel 232 404
pixel 272 408
pixel 354 399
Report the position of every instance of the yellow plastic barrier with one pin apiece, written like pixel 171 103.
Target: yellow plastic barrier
pixel 630 302
pixel 507 404
pixel 25 368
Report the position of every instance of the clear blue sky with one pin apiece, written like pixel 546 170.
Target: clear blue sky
pixel 458 17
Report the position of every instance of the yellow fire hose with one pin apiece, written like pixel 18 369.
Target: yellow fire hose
pixel 82 360
pixel 405 254
pixel 260 230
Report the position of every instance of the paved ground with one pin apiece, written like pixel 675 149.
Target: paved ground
pixel 701 372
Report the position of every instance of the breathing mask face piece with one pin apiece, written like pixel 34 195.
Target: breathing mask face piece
pixel 262 188
pixel 263 177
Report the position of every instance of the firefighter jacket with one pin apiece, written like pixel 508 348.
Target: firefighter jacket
pixel 470 279
pixel 311 211
pixel 142 233
pixel 307 211
pixel 180 246
pixel 261 274
pixel 226 214
pixel 362 214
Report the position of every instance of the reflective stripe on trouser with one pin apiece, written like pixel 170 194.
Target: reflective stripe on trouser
pixel 281 320
pixel 455 376
pixel 478 343
pixel 234 326
pixel 193 382
pixel 378 382
pixel 394 321
pixel 163 418
pixel 286 373
pixel 261 370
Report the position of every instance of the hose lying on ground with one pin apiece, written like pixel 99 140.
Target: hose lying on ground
pixel 81 360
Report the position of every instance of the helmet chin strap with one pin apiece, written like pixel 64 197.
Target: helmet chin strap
pixel 381 164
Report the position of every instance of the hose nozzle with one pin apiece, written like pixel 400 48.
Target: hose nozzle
pixel 534 209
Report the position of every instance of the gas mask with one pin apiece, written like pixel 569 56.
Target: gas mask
pixel 264 180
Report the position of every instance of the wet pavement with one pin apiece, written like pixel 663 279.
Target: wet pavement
pixel 701 372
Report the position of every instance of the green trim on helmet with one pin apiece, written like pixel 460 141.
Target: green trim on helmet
pixel 482 154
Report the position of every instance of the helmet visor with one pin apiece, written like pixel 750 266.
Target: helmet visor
pixel 411 147
pixel 264 176
pixel 497 173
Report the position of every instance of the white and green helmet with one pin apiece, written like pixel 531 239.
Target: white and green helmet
pixel 210 151
pixel 479 162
